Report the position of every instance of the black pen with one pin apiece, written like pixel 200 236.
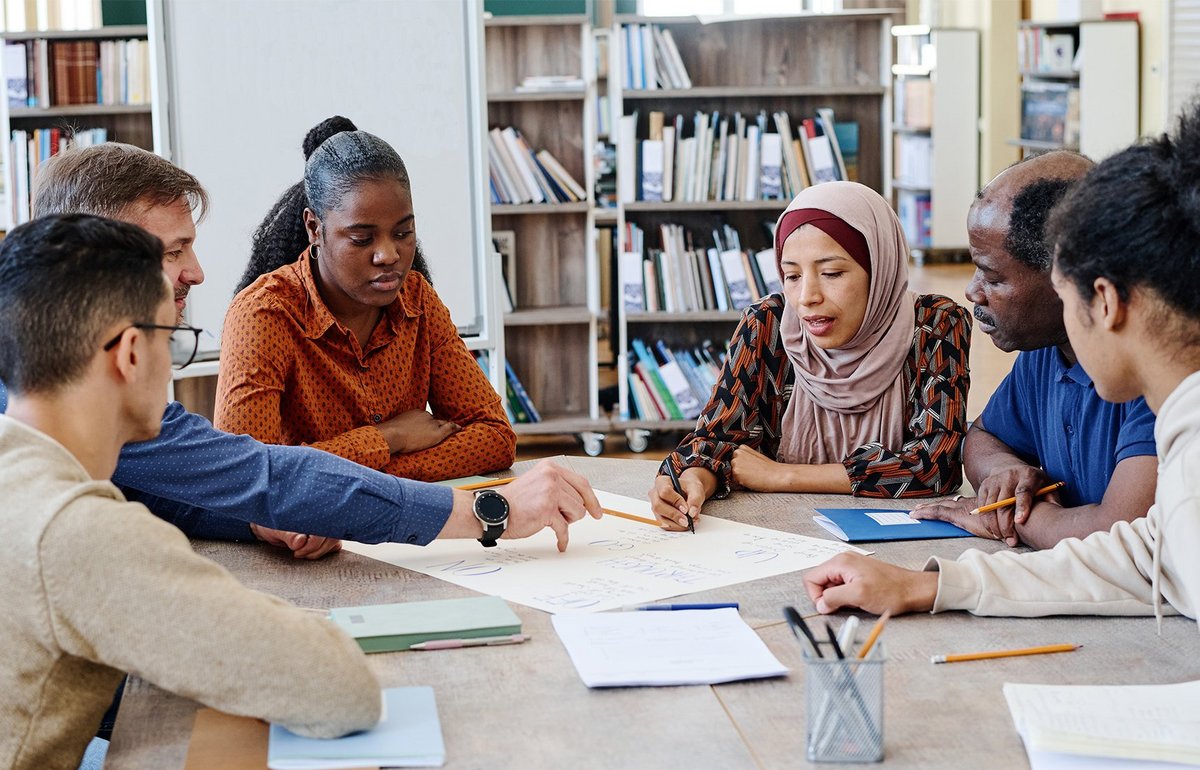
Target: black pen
pixel 837 648
pixel 797 623
pixel 679 491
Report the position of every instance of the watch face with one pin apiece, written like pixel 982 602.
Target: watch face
pixel 491 507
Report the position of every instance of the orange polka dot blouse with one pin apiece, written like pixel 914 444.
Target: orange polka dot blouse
pixel 291 374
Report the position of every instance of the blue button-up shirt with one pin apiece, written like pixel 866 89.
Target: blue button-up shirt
pixel 214 485
pixel 1050 415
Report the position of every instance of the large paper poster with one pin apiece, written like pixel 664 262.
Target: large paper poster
pixel 612 562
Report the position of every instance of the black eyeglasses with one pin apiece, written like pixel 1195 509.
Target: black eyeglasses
pixel 178 341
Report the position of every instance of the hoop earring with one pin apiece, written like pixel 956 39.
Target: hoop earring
pixel 314 253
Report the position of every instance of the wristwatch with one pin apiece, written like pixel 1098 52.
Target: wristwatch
pixel 491 508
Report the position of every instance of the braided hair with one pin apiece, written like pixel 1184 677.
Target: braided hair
pixel 280 237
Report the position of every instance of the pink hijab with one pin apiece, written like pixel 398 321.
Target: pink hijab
pixel 854 395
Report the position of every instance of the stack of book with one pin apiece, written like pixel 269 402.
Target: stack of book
pixel 730 157
pixel 651 59
pixel 668 383
pixel 32 148
pixel 47 73
pixel 550 83
pixel 518 174
pixel 682 276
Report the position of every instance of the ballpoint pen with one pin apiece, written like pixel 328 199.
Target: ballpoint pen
pixel 706 606
pixel 679 491
pixel 801 630
pixel 483 641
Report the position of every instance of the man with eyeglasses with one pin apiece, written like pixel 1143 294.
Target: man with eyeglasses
pixel 215 485
pixel 68 283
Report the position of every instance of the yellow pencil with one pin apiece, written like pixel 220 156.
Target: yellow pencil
pixel 488 483
pixel 1004 653
pixel 1011 500
pixel 631 517
pixel 876 630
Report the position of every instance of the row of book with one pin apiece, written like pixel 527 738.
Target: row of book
pixel 715 157
pixel 682 276
pixel 48 73
pixel 1039 50
pixel 518 406
pixel 912 159
pixel 915 51
pixel 29 149
pixel 914 209
pixel 671 383
pixel 914 103
pixel 518 174
pixel 650 59
pixel 1050 112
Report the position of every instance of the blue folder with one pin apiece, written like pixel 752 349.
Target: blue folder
pixel 854 525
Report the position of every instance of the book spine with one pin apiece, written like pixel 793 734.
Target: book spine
pixel 656 380
pixel 521 395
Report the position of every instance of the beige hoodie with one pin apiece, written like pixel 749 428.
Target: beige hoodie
pixel 92 586
pixel 1125 571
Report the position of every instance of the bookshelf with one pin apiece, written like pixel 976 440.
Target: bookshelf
pixel 1073 100
pixel 791 64
pixel 550 336
pixel 87 85
pixel 935 135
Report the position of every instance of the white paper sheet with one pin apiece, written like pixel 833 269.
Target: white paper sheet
pixel 624 649
pixel 1129 725
pixel 612 562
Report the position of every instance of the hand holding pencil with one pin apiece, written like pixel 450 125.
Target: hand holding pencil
pixel 1018 485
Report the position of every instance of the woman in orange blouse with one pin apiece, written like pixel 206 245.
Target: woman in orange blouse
pixel 343 348
pixel 847 383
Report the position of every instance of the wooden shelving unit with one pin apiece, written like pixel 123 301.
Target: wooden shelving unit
pixel 130 123
pixel 550 337
pixel 793 64
pixel 935 135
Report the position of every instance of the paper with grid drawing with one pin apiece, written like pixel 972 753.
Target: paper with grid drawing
pixel 612 562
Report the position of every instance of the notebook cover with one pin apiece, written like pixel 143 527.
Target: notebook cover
pixel 858 527
pixel 408 735
pixel 393 627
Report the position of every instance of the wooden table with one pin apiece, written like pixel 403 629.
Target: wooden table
pixel 524 706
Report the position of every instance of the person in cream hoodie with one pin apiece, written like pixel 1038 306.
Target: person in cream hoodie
pixel 1126 241
pixel 86 315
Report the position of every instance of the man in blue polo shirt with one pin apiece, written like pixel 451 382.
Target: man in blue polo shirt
pixel 1045 423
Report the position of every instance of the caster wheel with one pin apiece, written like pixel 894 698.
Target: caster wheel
pixel 593 443
pixel 637 440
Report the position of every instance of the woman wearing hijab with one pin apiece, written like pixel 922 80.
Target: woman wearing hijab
pixel 847 383
pixel 1127 269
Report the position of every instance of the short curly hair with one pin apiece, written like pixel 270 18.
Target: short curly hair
pixel 1026 237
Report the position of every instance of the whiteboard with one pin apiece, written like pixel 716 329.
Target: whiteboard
pixel 244 80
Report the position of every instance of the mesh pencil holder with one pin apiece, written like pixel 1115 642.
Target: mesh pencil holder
pixel 844 708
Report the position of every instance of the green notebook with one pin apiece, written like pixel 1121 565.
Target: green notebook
pixel 393 627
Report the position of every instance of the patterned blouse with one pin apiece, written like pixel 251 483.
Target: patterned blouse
pixel 756 382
